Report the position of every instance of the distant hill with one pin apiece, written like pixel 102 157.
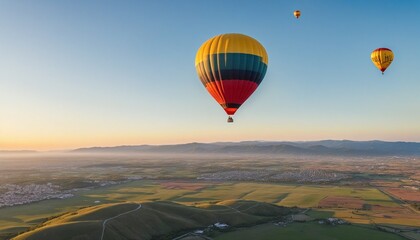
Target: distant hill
pixel 16 151
pixel 325 147
pixel 153 220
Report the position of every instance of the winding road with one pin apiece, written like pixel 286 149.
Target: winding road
pixel 114 217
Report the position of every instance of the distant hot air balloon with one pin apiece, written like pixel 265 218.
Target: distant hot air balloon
pixel 297 13
pixel 382 58
pixel 231 66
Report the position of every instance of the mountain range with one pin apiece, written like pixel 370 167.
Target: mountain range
pixel 324 147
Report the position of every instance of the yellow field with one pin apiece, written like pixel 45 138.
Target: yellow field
pixel 304 196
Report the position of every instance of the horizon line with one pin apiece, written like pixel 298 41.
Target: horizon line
pixel 184 143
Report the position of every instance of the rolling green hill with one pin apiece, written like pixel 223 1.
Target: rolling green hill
pixel 149 220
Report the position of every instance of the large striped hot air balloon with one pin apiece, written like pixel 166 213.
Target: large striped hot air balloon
pixel 231 66
pixel 382 58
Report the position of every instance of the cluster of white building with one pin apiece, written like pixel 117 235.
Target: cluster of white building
pixel 12 194
pixel 308 175
pixel 333 221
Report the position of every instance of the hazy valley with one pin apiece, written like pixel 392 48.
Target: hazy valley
pixel 370 192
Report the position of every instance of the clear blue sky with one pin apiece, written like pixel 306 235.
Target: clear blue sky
pixel 83 73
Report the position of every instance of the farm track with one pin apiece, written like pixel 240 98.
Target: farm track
pixel 119 215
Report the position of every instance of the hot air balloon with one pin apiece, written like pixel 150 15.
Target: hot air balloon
pixel 231 66
pixel 297 13
pixel 382 58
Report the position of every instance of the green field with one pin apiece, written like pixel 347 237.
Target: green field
pixel 18 218
pixel 307 231
pixel 320 214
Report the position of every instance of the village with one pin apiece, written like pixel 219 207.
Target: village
pixel 16 194
pixel 12 194
pixel 307 176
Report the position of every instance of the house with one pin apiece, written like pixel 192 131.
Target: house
pixel 221 225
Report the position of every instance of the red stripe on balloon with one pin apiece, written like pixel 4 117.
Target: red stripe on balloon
pixel 227 92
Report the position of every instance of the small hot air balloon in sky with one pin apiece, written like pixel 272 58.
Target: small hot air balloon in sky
pixel 231 66
pixel 382 58
pixel 297 13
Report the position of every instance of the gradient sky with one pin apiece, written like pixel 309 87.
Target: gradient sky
pixel 88 73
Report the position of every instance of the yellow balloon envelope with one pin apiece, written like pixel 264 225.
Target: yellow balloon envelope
pixel 382 58
pixel 231 66
pixel 297 13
